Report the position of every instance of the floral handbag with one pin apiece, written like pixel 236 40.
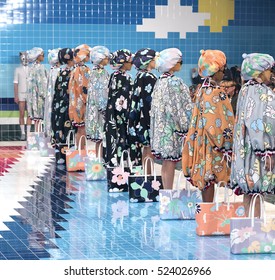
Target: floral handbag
pixel 145 188
pixel 61 148
pixel 117 177
pixel 179 204
pixel 33 138
pixel 213 218
pixel 252 235
pixel 75 157
pixel 45 146
pixel 94 168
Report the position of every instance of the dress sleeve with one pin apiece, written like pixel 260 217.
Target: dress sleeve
pixel 218 119
pixel 180 105
pixel 135 105
pixel 42 81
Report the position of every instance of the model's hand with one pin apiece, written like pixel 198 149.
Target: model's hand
pixel 16 99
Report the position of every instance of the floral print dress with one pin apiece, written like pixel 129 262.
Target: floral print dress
pixel 53 73
pixel 60 120
pixel 139 116
pixel 78 89
pixel 253 164
pixel 170 116
pixel 37 91
pixel 208 145
pixel 96 103
pixel 115 138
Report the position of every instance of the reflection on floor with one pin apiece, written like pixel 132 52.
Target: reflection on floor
pixel 50 214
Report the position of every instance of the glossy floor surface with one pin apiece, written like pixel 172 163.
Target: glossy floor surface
pixel 50 214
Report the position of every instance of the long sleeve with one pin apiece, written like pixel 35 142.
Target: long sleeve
pixel 180 105
pixel 218 119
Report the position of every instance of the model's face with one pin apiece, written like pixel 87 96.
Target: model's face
pixel 266 76
pixel 105 61
pixel 177 67
pixel 228 88
pixel 24 58
pixel 218 76
pixel 152 64
pixel 127 65
pixel 40 58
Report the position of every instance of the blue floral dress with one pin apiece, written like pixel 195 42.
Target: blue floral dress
pixel 139 116
pixel 115 136
pixel 37 91
pixel 171 111
pixel 96 103
pixel 253 164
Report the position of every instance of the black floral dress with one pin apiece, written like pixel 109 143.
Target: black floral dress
pixel 115 136
pixel 139 116
pixel 60 120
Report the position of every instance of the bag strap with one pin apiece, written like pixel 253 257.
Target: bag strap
pixel 152 168
pixel 252 206
pixel 216 195
pixel 99 152
pixel 187 183
pixel 69 138
pixel 79 144
pixel 39 127
pixel 128 159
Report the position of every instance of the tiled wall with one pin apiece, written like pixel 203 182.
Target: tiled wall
pixel 233 26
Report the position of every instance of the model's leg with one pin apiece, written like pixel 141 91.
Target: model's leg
pixel 208 194
pixel 22 105
pixel 168 173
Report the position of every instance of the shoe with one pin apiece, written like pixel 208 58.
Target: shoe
pixel 23 137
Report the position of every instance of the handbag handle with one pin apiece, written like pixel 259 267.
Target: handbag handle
pixel 152 168
pixel 79 144
pixel 226 196
pixel 69 138
pixel 99 154
pixel 39 127
pixel 187 184
pixel 252 208
pixel 128 159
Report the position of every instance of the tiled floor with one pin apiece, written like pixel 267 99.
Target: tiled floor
pixel 49 214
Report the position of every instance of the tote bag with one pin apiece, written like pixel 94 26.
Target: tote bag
pixel 213 218
pixel 179 204
pixel 33 137
pixel 253 235
pixel 145 188
pixel 61 148
pixel 94 168
pixel 75 157
pixel 117 177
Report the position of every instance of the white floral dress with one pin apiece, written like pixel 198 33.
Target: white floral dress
pixel 96 103
pixel 171 111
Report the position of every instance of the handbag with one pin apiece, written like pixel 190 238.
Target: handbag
pixel 213 218
pixel 94 168
pixel 145 188
pixel 179 204
pixel 75 157
pixel 60 148
pixel 117 177
pixel 252 235
pixel 45 146
pixel 33 138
